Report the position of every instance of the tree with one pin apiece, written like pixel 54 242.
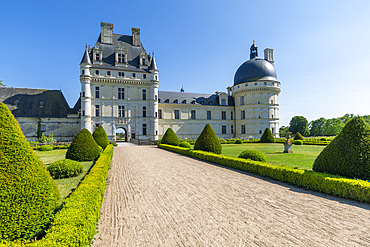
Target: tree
pixel 283 130
pixel 333 126
pixel 1 83
pixel 267 136
pixel 348 154
pixel 299 124
pixel 208 141
pixel 317 127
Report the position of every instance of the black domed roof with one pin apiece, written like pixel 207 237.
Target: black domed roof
pixel 253 70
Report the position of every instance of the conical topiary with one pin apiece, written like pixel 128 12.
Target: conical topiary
pixel 170 138
pixel 208 141
pixel 28 194
pixel 267 136
pixel 83 147
pixel 348 154
pixel 298 136
pixel 100 137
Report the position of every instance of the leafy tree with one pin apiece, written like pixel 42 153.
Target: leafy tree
pixel 1 83
pixel 283 130
pixel 317 127
pixel 299 124
pixel 333 126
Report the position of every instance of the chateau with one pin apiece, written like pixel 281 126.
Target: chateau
pixel 119 90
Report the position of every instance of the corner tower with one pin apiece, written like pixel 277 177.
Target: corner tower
pixel 255 93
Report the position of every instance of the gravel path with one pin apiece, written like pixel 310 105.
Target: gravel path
pixel 158 198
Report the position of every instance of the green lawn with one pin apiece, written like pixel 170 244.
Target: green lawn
pixel 302 156
pixel 65 185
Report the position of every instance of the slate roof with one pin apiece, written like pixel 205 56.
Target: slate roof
pixel 188 98
pixel 77 107
pixel 133 53
pixel 28 101
pixel 153 64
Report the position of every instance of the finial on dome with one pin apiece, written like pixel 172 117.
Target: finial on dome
pixel 254 50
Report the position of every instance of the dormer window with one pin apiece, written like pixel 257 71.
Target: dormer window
pixel 41 105
pixel 167 101
pixel 121 58
pixel 120 55
pixel 97 56
pixel 193 102
pixel 143 61
pixel 16 103
pixel 184 102
pixel 175 101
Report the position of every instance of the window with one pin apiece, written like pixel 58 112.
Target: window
pixel 209 116
pixel 260 131
pixel 144 111
pixel 193 114
pixel 143 61
pixel 83 94
pixel 43 127
pixel 121 74
pixel 259 116
pixel 255 83
pixel 160 113
pixel 82 72
pixel 193 102
pixel 184 101
pixel 177 114
pixel 96 72
pixel 223 129
pixel 242 100
pixel 41 105
pixel 133 75
pixel 167 101
pixel 155 97
pixel 121 93
pixel 232 129
pixel 272 116
pixel 176 101
pixel 15 103
pixel 232 115
pixel 144 129
pixel 121 58
pixel 272 102
pixel 243 129
pixel 121 111
pixel 242 115
pixel 223 115
pixel 83 112
pixel 258 102
pixel 156 114
pixel 108 73
pixel 159 100
pixel 156 132
pixel 97 111
pixel 97 92
pixel 156 77
pixel 144 94
pixel 265 83
pixel 144 76
pixel 97 57
pixel 246 85
pixel 223 101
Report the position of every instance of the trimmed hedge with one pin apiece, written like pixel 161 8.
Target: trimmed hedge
pixel 100 136
pixel 349 153
pixel 170 138
pixel 65 168
pixel 253 155
pixel 185 144
pixel 28 195
pixel 358 190
pixel 298 142
pixel 83 147
pixel 208 141
pixel 238 141
pixel 298 136
pixel 267 136
pixel 46 148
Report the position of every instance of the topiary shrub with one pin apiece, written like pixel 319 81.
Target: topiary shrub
pixel 65 168
pixel 46 148
pixel 253 155
pixel 298 142
pixel 28 195
pixel 83 147
pixel 298 136
pixel 349 153
pixel 238 141
pixel 323 139
pixel 267 136
pixel 208 141
pixel 100 137
pixel 185 144
pixel 170 138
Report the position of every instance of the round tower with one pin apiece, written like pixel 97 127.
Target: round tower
pixel 255 93
pixel 153 127
pixel 85 79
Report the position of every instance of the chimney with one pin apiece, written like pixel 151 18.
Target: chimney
pixel 106 35
pixel 269 55
pixel 135 36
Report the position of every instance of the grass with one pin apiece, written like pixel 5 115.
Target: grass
pixel 303 156
pixel 65 185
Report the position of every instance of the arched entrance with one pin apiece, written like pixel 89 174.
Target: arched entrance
pixel 121 134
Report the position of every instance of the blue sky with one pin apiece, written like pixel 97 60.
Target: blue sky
pixel 321 48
